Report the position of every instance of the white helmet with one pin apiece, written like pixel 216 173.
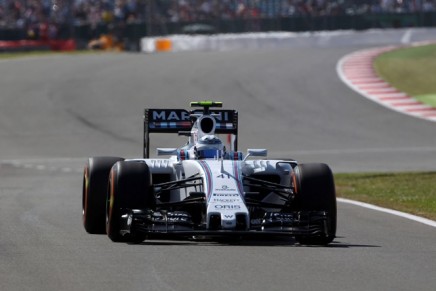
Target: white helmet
pixel 209 146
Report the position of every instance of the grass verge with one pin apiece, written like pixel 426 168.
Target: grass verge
pixel 13 55
pixel 414 193
pixel 410 70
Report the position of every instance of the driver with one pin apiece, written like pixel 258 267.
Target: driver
pixel 208 147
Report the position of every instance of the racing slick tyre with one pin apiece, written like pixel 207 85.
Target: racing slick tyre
pixel 315 191
pixel 129 188
pixel 94 192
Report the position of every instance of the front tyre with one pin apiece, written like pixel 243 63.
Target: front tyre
pixel 315 191
pixel 94 191
pixel 129 188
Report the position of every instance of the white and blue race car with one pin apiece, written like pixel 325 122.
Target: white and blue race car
pixel 206 189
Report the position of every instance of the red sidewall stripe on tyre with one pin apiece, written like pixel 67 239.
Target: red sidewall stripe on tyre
pixel 357 71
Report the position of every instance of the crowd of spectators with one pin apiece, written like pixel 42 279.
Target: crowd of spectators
pixel 48 15
pixel 192 10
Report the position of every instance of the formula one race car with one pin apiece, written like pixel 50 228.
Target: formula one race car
pixel 204 189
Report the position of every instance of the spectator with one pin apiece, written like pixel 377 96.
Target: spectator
pixel 43 18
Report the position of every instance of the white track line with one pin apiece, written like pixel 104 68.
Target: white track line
pixel 389 211
pixel 406 37
pixel 43 164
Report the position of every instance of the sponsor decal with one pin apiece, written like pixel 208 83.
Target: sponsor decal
pixel 227 207
pixel 223 115
pixel 184 115
pixel 225 195
pixel 170 115
pixel 225 200
pixel 225 188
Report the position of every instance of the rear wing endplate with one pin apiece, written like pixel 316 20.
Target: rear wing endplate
pixel 177 120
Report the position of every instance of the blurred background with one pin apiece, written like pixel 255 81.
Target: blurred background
pixel 127 21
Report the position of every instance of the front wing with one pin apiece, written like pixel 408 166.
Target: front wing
pixel 178 223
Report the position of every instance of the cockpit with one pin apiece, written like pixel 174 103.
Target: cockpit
pixel 209 146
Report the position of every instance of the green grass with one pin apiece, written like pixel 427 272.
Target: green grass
pixel 413 193
pixel 12 55
pixel 411 70
pixel 429 99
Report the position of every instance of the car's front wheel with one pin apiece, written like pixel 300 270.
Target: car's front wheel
pixel 94 191
pixel 129 188
pixel 315 191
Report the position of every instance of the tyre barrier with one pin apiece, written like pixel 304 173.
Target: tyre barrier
pixel 280 40
pixel 218 42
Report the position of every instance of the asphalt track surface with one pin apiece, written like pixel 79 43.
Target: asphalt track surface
pixel 56 111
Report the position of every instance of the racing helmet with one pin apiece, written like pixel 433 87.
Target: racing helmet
pixel 209 146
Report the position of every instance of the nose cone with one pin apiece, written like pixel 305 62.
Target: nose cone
pixel 228 221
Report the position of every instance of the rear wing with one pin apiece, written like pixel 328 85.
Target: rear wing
pixel 179 120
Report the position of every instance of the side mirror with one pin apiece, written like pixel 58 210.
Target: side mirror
pixel 166 151
pixel 256 153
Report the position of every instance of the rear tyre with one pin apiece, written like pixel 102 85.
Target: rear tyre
pixel 94 191
pixel 129 188
pixel 315 191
